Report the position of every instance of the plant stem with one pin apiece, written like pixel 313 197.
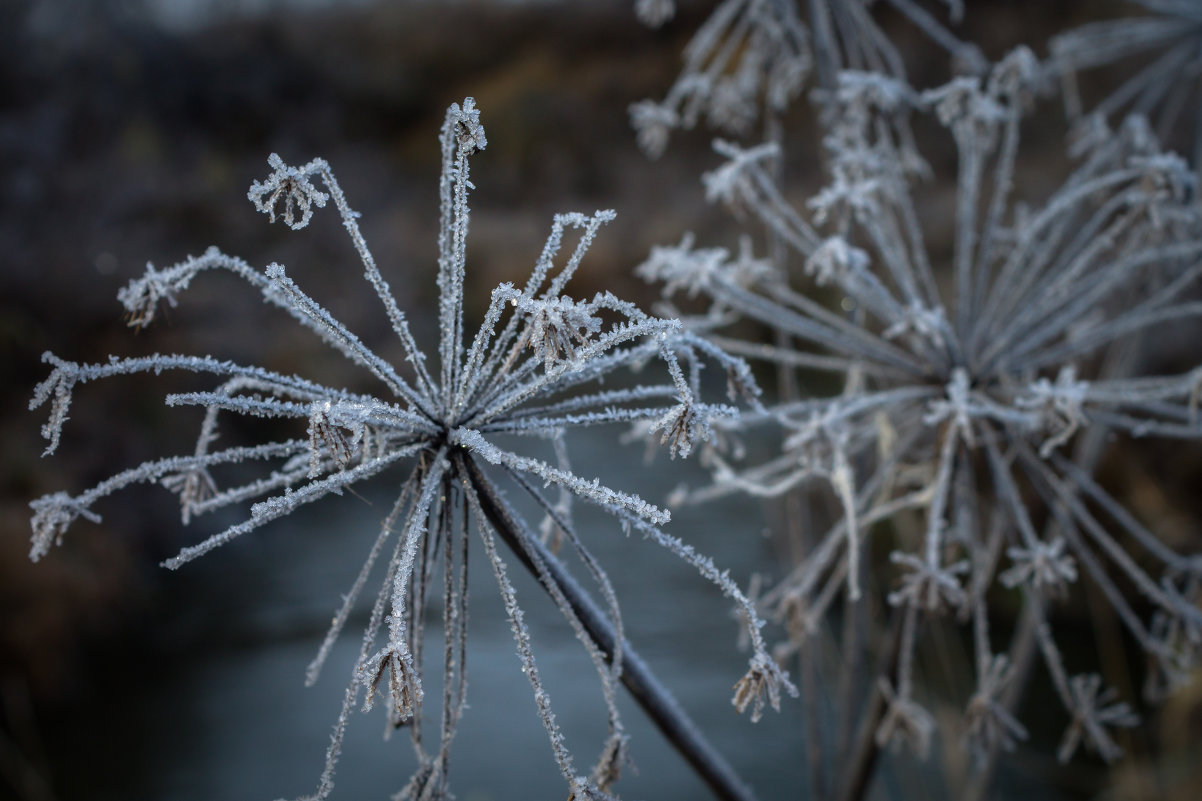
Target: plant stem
pixel 861 763
pixel 648 692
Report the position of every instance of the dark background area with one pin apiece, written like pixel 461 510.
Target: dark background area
pixel 125 140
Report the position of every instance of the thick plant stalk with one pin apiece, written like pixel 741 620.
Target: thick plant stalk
pixel 646 689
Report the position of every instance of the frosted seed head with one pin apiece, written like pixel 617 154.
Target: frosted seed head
pixel 960 104
pixel 141 297
pixel 1018 75
pixel 609 765
pixel 326 441
pixel 958 406
pixel 836 260
pixel 679 428
pixel 193 487
pixel 761 683
pixel 905 725
pixel 1044 567
pixel 1093 709
pixel 689 423
pixel 404 685
pixel 1057 407
pixel 287 192
pixel 925 323
pixel 654 13
pixel 500 389
pixel 60 383
pixel 52 515
pixel 731 183
pixel 869 91
pixel 681 267
pixel 731 107
pixel 987 722
pixel 934 588
pixel 1166 178
pixel 555 327
pixel 469 132
pixel 653 123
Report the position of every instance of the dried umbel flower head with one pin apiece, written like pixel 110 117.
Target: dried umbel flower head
pixel 531 370
pixel 747 50
pixel 974 400
pixel 757 55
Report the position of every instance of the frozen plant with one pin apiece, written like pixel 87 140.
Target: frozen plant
pixel 531 370
pixel 974 400
pixel 753 55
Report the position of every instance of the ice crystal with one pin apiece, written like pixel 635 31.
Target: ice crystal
pixel 530 370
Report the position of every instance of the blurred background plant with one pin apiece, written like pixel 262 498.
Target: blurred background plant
pixel 127 125
pixel 928 379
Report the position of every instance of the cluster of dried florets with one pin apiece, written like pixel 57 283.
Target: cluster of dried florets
pixel 532 369
pixel 757 55
pixel 1008 370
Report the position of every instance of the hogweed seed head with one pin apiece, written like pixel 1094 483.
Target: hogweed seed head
pixel 533 370
pixel 974 397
